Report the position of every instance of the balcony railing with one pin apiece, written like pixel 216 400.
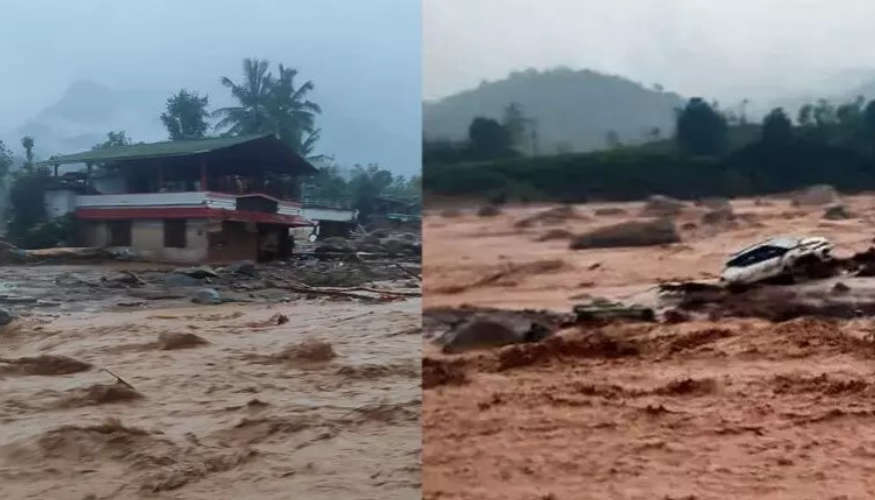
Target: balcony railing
pixel 222 201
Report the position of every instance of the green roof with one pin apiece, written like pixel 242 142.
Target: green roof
pixel 154 150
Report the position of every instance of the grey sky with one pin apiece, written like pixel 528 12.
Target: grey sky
pixel 726 50
pixel 363 56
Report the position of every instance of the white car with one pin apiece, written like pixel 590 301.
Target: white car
pixel 776 257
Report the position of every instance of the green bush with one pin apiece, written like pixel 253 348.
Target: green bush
pixel 60 231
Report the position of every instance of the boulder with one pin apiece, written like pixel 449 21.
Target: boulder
pixel 819 194
pixel 6 317
pixel 836 212
pixel 609 211
pixel 482 332
pixel 199 272
pixel 400 246
pixel 662 206
pixel 207 296
pixel 555 234
pixel 335 244
pixel 719 216
pixel 488 211
pixel 245 267
pixel 176 279
pixel 716 203
pixel 629 234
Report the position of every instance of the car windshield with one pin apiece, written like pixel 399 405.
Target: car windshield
pixel 756 255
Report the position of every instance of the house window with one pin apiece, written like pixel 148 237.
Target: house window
pixel 174 233
pixel 119 233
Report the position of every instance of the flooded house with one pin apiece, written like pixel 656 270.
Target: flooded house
pixel 206 200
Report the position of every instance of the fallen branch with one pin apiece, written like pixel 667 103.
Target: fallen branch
pixel 374 290
pixel 407 271
pixel 321 291
pixel 487 280
pixel 119 379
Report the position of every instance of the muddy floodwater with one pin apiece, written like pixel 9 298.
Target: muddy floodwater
pixel 273 395
pixel 698 408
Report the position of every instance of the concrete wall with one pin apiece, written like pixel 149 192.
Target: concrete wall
pixel 59 202
pixel 147 240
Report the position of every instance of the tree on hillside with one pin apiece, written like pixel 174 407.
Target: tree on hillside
pixel 612 140
pixel 701 130
pixel 850 115
pixel 514 123
pixel 5 163
pixel 186 116
pixel 777 128
pixel 804 117
pixel 27 144
pixel 824 113
pixel 488 139
pixel 268 104
pixel 869 117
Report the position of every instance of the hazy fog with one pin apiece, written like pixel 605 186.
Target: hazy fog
pixel 364 58
pixel 757 49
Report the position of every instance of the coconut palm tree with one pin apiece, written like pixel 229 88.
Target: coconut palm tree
pixel 292 113
pixel 253 95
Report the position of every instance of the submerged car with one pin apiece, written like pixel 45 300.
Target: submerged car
pixel 783 256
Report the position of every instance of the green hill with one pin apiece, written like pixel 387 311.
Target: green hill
pixel 573 110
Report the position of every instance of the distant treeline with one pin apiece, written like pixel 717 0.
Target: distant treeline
pixel 707 157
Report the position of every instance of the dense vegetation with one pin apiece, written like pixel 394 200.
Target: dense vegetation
pixel 361 189
pixel 708 156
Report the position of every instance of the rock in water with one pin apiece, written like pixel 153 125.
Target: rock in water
pixel 6 317
pixel 486 332
pixel 199 272
pixel 488 211
pixel 836 212
pixel 207 296
pixel 820 194
pixel 629 234
pixel 246 267
pixel 662 206
pixel 175 279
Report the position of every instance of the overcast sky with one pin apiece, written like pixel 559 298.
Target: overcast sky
pixel 726 50
pixel 363 56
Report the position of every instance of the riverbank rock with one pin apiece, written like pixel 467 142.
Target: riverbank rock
pixel 6 317
pixel 207 296
pixel 836 212
pixel 629 234
pixel 662 206
pixel 819 194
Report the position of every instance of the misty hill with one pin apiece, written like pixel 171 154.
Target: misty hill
pixel 574 110
pixel 85 113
